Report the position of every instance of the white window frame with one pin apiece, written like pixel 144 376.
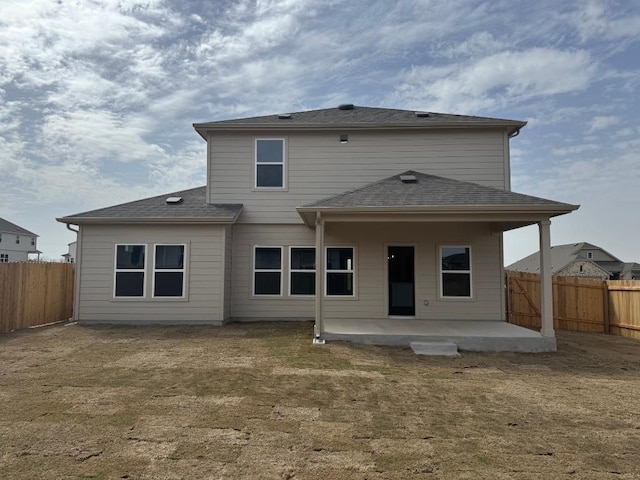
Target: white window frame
pixel 33 241
pixel 464 272
pixel 590 255
pixel 4 258
pixel 291 271
pixel 327 271
pixel 283 163
pixel 255 270
pixel 171 270
pixel 116 270
pixel 17 239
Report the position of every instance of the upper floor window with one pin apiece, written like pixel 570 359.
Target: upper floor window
pixel 269 169
pixel 589 255
pixel 4 258
pixel 17 238
pixel 455 271
pixel 0 237
pixel 33 241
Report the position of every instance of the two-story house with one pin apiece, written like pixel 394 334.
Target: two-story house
pixel 16 243
pixel 581 260
pixel 381 225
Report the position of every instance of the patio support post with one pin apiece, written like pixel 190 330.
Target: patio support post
pixel 546 285
pixel 320 266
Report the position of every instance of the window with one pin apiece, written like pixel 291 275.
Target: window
pixel 33 241
pixel 589 255
pixel 267 271
pixel 129 271
pixel 269 163
pixel 455 270
pixel 4 258
pixel 340 269
pixel 17 238
pixel 168 271
pixel 0 237
pixel 302 271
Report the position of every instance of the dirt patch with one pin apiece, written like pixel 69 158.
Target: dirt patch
pixel 259 401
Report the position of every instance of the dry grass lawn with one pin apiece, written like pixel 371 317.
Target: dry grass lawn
pixel 259 401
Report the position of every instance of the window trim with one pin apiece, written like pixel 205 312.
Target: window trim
pixel 352 271
pixel 461 272
pixel 255 270
pixel 589 255
pixel 174 270
pixel 143 270
pixel 17 239
pixel 291 270
pixel 4 258
pixel 283 163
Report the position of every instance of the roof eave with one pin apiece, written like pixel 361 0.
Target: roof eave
pixel 149 220
pixel 557 209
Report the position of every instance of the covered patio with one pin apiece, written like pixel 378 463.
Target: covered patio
pixel 413 209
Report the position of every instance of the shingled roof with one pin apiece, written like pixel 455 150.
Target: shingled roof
pixel 192 208
pixel 359 117
pixel 431 191
pixel 8 227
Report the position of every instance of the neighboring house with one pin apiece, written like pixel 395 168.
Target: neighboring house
pixel 381 225
pixel 16 243
pixel 70 256
pixel 581 260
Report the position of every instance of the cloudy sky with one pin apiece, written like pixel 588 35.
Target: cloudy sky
pixel 97 98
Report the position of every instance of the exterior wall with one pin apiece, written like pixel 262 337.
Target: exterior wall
pixel 317 165
pixel 370 241
pixel 589 269
pixel 204 273
pixel 18 252
pixel 228 270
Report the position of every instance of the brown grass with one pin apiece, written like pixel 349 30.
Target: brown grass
pixel 259 401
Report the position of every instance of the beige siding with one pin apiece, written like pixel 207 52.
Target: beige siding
pixel 204 274
pixel 317 165
pixel 370 241
pixel 228 270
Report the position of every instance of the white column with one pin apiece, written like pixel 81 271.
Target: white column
pixel 546 285
pixel 320 267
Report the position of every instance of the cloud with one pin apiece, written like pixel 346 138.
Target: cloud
pixel 498 79
pixel 602 121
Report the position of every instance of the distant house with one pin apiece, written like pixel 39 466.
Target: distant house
pixel 581 260
pixel 16 243
pixel 70 256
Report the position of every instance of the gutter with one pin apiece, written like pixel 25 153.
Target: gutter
pixel 148 220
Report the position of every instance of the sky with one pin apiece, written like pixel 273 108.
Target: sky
pixel 98 98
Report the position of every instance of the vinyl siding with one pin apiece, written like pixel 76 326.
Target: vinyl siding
pixel 317 165
pixel 370 241
pixel 204 274
pixel 228 270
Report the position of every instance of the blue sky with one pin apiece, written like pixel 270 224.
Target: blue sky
pixel 97 98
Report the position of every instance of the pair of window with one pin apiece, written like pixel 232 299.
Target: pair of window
pixel 455 271
pixel 168 273
pixel 268 271
pixel 4 258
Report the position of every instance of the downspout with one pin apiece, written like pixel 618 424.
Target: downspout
pixel 76 280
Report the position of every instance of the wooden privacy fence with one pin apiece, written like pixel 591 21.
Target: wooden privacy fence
pixel 579 304
pixel 35 294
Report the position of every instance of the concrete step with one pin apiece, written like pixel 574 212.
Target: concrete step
pixel 443 349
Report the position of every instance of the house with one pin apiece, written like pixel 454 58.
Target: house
pixel 16 243
pixel 382 225
pixel 70 256
pixel 581 260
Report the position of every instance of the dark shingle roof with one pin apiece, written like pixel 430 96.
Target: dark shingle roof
pixel 430 190
pixel 193 206
pixel 8 227
pixel 361 117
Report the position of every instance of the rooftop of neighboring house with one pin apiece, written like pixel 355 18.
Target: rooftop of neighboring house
pixel 8 227
pixel 563 255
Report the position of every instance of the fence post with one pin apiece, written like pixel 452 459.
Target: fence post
pixel 605 306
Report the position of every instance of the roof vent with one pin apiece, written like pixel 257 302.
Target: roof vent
pixel 408 178
pixel 174 200
pixel 284 116
pixel 346 106
pixel 422 114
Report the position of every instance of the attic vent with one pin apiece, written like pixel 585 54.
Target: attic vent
pixel 284 116
pixel 408 178
pixel 174 200
pixel 346 106
pixel 422 114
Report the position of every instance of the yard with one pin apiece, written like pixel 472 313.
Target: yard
pixel 258 401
